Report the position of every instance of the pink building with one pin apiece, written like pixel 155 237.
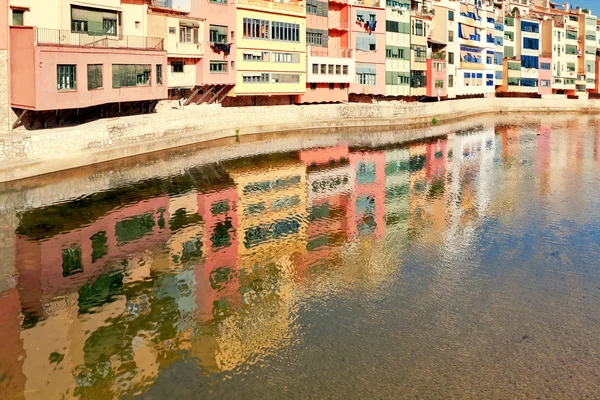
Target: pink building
pixel 51 69
pixel 545 75
pixel 367 36
pixel 437 78
pixel 69 259
pixel 219 48
pixel 217 276
pixel 366 211
pixel 435 159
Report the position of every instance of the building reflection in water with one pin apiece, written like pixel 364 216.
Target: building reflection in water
pixel 208 265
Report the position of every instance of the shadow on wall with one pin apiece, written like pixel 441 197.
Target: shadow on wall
pixel 245 101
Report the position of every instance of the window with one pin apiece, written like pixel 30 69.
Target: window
pixel 79 26
pixel 451 36
pixel 450 81
pixel 544 83
pixel 94 76
pixel 218 1
pixel 311 9
pixel 418 28
pixel 159 74
pixel 451 58
pixel 256 28
pixel 514 66
pixel 314 37
pixel 330 69
pixel 177 66
pixel 418 79
pixel 323 69
pixel 419 53
pixel 397 78
pixel 110 26
pixel 532 27
pixel 450 15
pixel 344 70
pixel 342 86
pixel 392 26
pixel 366 42
pixel 17 17
pixel 315 68
pixel 366 74
pixel 285 32
pixel 131 75
pixel 331 86
pixel 66 77
pixel 514 81
pixel 285 78
pixel 218 34
pixel 255 78
pixel 313 86
pixel 510 36
pixel 439 84
pixel 94 21
pixel 545 66
pixel 532 44
pixel 253 56
pixel 489 79
pixel 338 69
pixel 72 260
pixel 188 34
pixel 218 66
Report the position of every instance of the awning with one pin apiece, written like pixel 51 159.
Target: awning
pixel 432 41
pixel 189 24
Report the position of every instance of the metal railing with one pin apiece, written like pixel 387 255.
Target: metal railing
pixel 295 8
pixel 59 37
pixel 323 52
pixel 438 56
pixel 162 3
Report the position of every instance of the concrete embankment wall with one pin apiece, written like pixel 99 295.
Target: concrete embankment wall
pixel 30 153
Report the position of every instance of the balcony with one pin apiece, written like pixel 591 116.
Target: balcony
pixel 296 8
pixel 171 6
pixel 338 25
pixel 367 3
pixel 323 52
pixel 56 37
pixel 440 56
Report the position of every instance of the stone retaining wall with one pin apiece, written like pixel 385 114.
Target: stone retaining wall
pixel 29 153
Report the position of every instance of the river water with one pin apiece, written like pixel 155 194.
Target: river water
pixel 462 266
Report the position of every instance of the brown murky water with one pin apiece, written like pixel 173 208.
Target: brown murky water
pixel 466 266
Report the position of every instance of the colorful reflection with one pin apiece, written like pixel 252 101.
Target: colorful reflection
pixel 211 266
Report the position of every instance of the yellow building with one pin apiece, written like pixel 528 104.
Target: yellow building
pixel 271 210
pixel 271 48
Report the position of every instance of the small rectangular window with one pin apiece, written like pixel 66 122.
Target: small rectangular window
pixel 94 76
pixel 315 68
pixel 66 77
pixel 331 86
pixel 330 69
pixel 338 69
pixel 218 66
pixel 345 70
pixel 313 86
pixel 159 74
pixel 177 66
pixel 17 17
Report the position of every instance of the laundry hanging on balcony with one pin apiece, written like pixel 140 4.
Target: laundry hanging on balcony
pixel 222 47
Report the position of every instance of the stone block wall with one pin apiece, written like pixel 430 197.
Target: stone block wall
pixel 5 111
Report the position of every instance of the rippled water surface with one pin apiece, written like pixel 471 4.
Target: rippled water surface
pixel 465 266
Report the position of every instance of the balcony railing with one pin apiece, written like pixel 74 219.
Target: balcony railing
pixel 341 25
pixel 323 52
pixel 295 8
pixel 162 3
pixel 438 56
pixel 56 37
